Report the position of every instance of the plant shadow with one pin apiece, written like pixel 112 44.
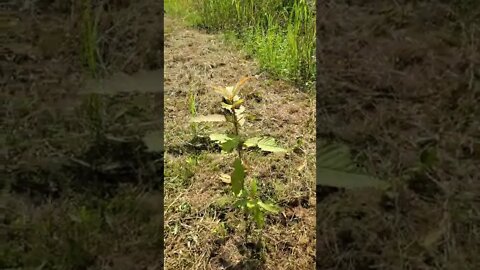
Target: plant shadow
pixel 195 146
pixel 253 258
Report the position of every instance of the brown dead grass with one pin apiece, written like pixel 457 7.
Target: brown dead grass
pixel 394 79
pixel 195 61
pixel 52 215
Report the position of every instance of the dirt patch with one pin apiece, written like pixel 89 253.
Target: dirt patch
pixel 203 230
pixel 74 201
pixel 397 82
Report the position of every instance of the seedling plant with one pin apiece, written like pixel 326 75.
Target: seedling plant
pixel 246 197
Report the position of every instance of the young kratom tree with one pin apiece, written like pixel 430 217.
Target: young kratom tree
pixel 234 112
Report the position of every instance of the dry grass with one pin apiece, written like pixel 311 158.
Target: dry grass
pixel 198 204
pixel 57 212
pixel 397 80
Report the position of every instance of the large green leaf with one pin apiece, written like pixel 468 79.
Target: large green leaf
pixel 266 144
pixel 227 142
pixel 231 144
pixel 335 168
pixel 252 142
pixel 269 145
pixel 238 176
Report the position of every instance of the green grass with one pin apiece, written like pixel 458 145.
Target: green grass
pixel 89 38
pixel 279 34
pixel 182 9
pixel 94 106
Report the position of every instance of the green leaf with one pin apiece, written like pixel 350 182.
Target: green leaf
pixel 253 188
pixel 238 176
pixel 259 217
pixel 154 141
pixel 220 138
pixel 251 204
pixel 209 118
pixel 240 203
pixel 237 103
pixel 231 144
pixel 269 207
pixel 227 106
pixel 269 145
pixel 252 142
pixel 335 168
pixel 264 143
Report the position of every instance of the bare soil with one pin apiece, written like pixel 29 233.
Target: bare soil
pixel 398 79
pixel 203 229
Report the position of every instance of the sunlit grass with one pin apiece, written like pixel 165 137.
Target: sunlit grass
pixel 279 34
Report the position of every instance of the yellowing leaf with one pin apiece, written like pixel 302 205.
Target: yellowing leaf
pixel 209 118
pixel 222 91
pixel 239 85
pixel 225 178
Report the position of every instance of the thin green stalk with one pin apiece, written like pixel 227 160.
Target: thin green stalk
pixel 239 151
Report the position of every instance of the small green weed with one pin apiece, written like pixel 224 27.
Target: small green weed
pixel 192 107
pixel 89 33
pixel 94 104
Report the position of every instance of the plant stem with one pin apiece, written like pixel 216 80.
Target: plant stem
pixel 237 133
pixel 239 150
